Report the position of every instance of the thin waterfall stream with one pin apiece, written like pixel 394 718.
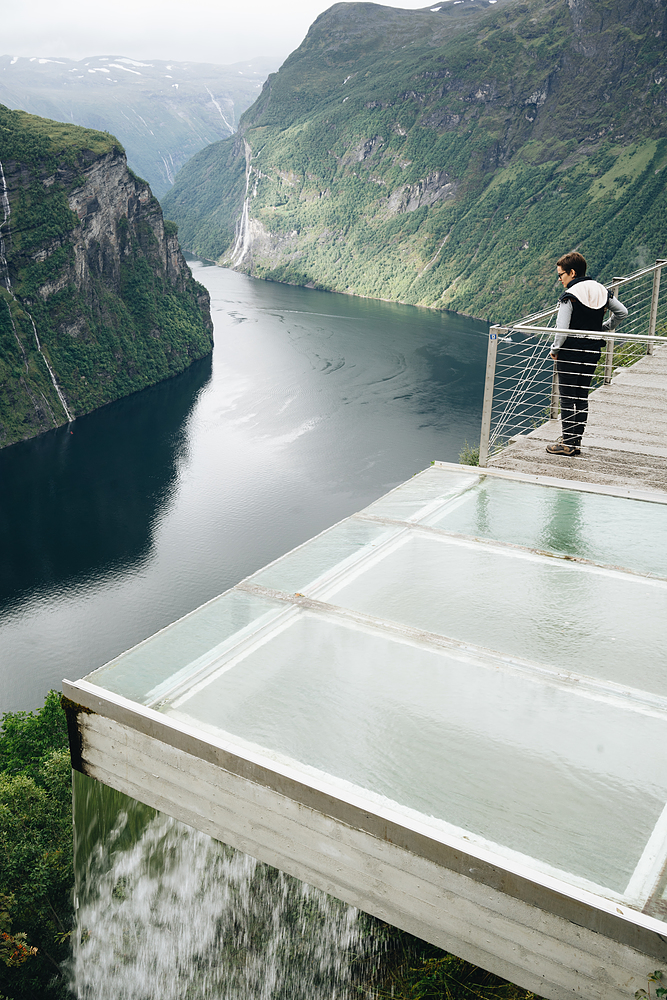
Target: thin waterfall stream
pixel 59 393
pixel 164 912
pixel 4 269
pixel 6 210
pixel 242 237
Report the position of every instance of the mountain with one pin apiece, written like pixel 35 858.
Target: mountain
pixel 162 112
pixel 96 299
pixel 446 157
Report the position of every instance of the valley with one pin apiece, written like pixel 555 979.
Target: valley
pixel 445 157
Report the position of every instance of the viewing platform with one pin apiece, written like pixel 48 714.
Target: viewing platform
pixel 625 443
pixel 626 438
pixel 448 710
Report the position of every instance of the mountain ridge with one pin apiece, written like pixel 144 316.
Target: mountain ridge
pixel 414 155
pixel 162 111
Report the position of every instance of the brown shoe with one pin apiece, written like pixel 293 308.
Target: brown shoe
pixel 575 444
pixel 563 449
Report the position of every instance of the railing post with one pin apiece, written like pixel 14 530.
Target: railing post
pixel 553 407
pixel 491 353
pixel 609 345
pixel 608 360
pixel 654 305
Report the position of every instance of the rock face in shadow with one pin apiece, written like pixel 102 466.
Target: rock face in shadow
pixel 96 299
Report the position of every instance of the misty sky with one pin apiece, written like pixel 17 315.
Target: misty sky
pixel 203 30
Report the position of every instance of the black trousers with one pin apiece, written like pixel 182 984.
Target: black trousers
pixel 575 364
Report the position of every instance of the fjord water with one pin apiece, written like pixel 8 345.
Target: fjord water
pixel 312 405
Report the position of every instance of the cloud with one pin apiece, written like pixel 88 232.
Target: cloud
pixel 205 31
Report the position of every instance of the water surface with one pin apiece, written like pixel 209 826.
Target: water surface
pixel 312 405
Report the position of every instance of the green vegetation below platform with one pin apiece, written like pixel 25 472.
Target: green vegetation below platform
pixel 37 881
pixel 36 871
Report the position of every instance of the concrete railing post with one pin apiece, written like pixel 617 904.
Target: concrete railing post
pixel 553 406
pixel 609 350
pixel 653 317
pixel 491 353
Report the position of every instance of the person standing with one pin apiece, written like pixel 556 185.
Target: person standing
pixel 581 307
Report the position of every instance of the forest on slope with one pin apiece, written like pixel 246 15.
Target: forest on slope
pixel 446 157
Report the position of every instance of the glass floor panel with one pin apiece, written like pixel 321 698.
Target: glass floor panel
pixel 659 903
pixel 423 490
pixel 563 778
pixel 338 547
pixel 184 647
pixel 606 529
pixel 567 615
pixel 499 742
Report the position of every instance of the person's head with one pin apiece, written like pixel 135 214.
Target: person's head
pixel 570 266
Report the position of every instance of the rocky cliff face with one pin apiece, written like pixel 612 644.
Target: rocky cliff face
pixel 97 300
pixel 446 157
pixel 117 212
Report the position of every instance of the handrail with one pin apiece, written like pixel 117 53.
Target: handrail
pixel 660 262
pixel 592 334
pixel 657 267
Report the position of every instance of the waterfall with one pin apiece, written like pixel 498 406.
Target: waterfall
pixel 6 211
pixel 242 242
pixel 243 239
pixel 69 416
pixel 164 912
pixel 215 103
pixel 4 273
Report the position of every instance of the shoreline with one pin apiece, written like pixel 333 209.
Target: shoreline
pixel 334 291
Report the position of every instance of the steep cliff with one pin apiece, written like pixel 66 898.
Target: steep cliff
pixel 96 299
pixel 447 156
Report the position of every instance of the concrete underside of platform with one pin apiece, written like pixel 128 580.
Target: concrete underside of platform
pixel 556 945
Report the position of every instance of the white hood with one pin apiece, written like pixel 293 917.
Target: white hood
pixel 590 293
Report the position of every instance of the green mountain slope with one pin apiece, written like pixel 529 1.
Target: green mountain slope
pixel 446 157
pixel 162 112
pixel 96 300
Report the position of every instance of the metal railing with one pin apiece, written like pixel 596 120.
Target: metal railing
pixel 521 385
